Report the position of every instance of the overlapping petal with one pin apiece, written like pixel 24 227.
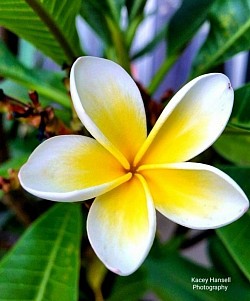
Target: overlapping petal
pixel 191 122
pixel 121 226
pixel 130 174
pixel 195 195
pixel 109 104
pixel 71 168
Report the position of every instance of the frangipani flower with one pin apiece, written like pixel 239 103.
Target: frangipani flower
pixel 131 174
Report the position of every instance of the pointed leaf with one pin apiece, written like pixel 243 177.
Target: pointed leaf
pixel 240 116
pixel 96 13
pixel 14 163
pixel 185 23
pixel 46 83
pixel 229 34
pixel 44 264
pixel 134 286
pixel 99 15
pixel 234 146
pixel 223 261
pixel 236 238
pixel 171 277
pixel 135 8
pixel 49 25
pixel 151 44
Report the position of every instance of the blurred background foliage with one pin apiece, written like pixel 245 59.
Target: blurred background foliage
pixel 162 44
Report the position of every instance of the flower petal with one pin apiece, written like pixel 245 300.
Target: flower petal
pixel 110 106
pixel 195 195
pixel 121 226
pixel 71 168
pixel 191 122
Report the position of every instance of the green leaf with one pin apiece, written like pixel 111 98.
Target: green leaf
pixel 234 146
pixel 170 276
pixel 135 8
pixel 26 52
pixel 236 238
pixel 17 91
pixel 104 18
pixel 116 6
pixel 135 11
pixel 229 34
pixel 95 13
pixel 240 116
pixel 151 44
pixel 49 25
pixel 133 286
pixel 185 23
pixel 181 28
pixel 20 150
pixel 44 264
pixel 223 261
pixel 98 14
pixel 5 216
pixel 14 163
pixel 46 83
pixel 171 279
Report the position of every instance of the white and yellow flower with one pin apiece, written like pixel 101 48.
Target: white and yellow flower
pixel 131 174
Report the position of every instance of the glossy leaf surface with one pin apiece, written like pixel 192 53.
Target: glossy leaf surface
pixel 229 34
pixel 192 15
pixel 135 8
pixel 236 239
pixel 46 83
pixel 96 14
pixel 44 264
pixel 234 146
pixel 240 116
pixel 52 21
pixel 222 260
pixel 172 277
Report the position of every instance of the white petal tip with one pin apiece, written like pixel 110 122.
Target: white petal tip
pixel 119 272
pixel 116 271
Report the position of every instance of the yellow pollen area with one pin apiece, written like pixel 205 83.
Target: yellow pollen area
pixel 133 169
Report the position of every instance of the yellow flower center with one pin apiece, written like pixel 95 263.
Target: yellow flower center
pixel 133 169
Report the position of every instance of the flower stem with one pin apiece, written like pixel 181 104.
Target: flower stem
pixel 120 45
pixel 161 72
